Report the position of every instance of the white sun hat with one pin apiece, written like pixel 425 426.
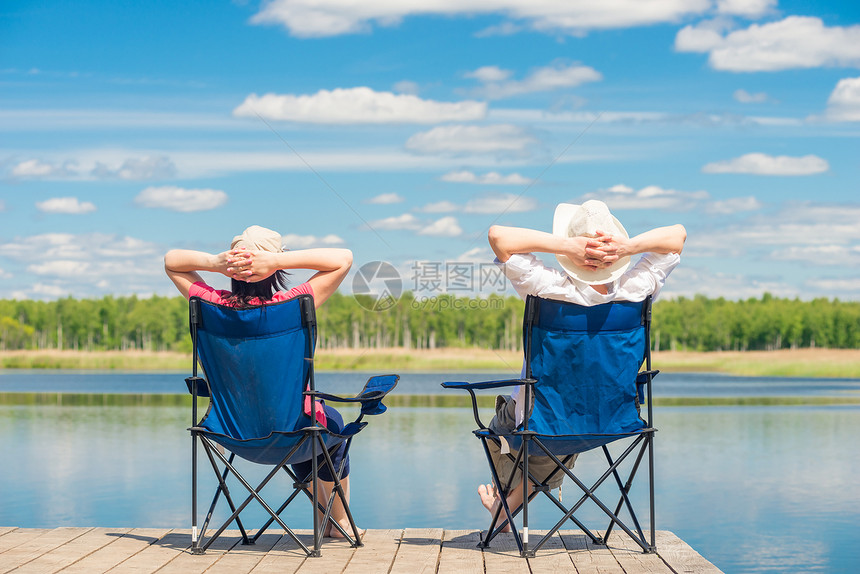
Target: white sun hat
pixel 585 220
pixel 258 238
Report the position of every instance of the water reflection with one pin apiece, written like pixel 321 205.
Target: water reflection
pixel 753 489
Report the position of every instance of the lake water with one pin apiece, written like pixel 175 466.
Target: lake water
pixel 754 489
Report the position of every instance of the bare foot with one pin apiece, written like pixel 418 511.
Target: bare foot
pixel 488 495
pixel 332 532
pixel 491 501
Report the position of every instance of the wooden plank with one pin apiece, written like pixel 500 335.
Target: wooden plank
pixel 285 557
pixel 377 554
pixel 503 556
pixel 37 546
pixel 631 556
pixel 155 555
pixel 419 551
pixel 187 563
pixel 552 556
pixel 7 529
pixel 19 536
pixel 413 551
pixel 242 559
pixel 120 549
pixel 71 552
pixel 336 554
pixel 460 552
pixel 586 556
pixel 680 556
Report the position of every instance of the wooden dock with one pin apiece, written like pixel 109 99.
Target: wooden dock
pixel 409 551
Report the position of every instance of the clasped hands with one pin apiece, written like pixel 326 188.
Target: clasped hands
pixel 248 265
pixel 598 252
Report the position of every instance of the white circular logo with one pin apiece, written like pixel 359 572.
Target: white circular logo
pixel 377 286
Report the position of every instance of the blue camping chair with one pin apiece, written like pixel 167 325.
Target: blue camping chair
pixel 258 366
pixel 582 372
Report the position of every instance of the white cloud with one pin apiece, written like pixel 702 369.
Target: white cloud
pixel 746 8
pixel 734 205
pixel 61 268
pixel 147 167
pixel 462 139
pixel 444 206
pixel 65 205
pixel 315 18
pixel 181 199
pixel 836 255
pixel 843 105
pixel 649 197
pixel 489 74
pixel 477 255
pixel 820 232
pixel 491 203
pixel 795 42
pixel 497 85
pixel 293 241
pixel 746 97
pixel 445 227
pixel 385 199
pixel 358 106
pixel 134 168
pixel 500 203
pixel 763 164
pixel 80 263
pixel 407 87
pixel 38 169
pixel 405 221
pixel 688 281
pixel 489 178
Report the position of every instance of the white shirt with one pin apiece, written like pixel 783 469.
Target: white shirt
pixel 530 276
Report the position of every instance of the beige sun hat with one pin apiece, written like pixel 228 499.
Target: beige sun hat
pixel 585 220
pixel 258 238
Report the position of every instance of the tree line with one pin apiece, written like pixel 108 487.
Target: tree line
pixel 699 323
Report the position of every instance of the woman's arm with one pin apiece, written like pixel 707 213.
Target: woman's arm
pixel 331 263
pixel 182 265
pixel 506 241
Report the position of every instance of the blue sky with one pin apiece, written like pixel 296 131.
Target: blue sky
pixel 404 129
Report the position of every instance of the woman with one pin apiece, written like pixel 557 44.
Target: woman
pixel 256 265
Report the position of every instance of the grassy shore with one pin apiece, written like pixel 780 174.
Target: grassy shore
pixel 819 363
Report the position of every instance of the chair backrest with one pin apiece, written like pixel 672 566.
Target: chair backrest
pixel 258 362
pixel 585 361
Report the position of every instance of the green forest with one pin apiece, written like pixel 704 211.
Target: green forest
pixel 696 324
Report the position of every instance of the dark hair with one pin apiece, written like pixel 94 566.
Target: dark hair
pixel 244 295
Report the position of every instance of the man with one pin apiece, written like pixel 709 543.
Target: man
pixel 594 251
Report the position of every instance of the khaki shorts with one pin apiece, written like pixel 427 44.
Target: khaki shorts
pixel 540 466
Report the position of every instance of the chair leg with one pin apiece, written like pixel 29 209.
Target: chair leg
pixel 254 495
pixel 491 533
pixel 338 490
pixel 222 487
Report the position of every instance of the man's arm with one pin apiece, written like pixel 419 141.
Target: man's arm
pixel 507 241
pixel 669 239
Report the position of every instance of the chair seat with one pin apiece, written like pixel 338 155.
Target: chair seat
pixel 273 448
pixel 562 445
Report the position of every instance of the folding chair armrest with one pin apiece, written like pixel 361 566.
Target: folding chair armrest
pixel 641 380
pixel 470 387
pixel 370 396
pixel 201 384
pixel 488 384
pixel 642 377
